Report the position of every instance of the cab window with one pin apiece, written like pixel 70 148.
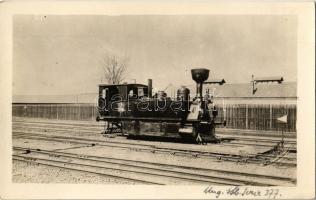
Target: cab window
pixel 140 91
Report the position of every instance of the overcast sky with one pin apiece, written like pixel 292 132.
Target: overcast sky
pixel 62 54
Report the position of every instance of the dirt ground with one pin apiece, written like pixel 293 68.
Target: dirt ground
pixel 23 172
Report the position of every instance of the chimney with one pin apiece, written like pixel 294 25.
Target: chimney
pixel 199 76
pixel 150 88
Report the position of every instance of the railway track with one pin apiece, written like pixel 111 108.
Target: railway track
pixel 270 134
pixel 84 129
pixel 250 158
pixel 142 172
pixel 231 142
pixel 261 139
pixel 60 124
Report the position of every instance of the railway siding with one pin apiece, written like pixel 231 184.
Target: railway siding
pixel 66 144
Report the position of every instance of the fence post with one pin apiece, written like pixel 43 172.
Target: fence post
pixel 92 112
pixel 246 116
pixel 270 117
pixel 57 111
pixel 51 112
pixel 78 110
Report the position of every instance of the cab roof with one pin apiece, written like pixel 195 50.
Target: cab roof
pixel 127 84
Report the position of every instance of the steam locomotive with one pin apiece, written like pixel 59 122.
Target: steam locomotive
pixel 132 110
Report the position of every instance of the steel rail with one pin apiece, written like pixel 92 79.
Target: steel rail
pixel 192 180
pixel 262 156
pixel 18 158
pixel 159 166
pixel 226 135
pixel 152 148
pixel 260 139
pixel 59 122
pixel 235 138
pixel 234 143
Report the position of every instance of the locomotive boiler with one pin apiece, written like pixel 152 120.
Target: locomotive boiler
pixel 132 110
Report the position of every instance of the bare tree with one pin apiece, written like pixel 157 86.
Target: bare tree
pixel 114 69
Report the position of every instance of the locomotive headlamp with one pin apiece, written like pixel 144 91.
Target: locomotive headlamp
pixel 121 107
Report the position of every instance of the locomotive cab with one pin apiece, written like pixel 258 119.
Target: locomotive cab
pixel 111 96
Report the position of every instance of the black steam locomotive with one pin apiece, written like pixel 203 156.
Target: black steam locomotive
pixel 132 110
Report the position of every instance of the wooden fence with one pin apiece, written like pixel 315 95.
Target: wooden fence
pixel 259 117
pixel 81 112
pixel 243 116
